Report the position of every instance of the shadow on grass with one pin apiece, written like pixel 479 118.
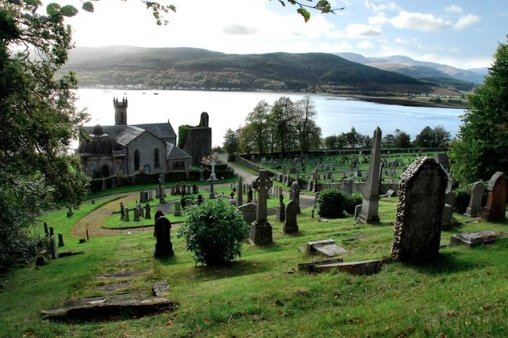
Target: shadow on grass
pixel 233 269
pixel 446 263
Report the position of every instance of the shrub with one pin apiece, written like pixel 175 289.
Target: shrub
pixel 331 203
pixel 351 203
pixel 461 201
pixel 214 232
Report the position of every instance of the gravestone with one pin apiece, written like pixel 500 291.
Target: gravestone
pixel 444 161
pixel 178 209
pixel 474 238
pixel 419 211
pixel 358 209
pixel 347 187
pixel 60 240
pixel 281 212
pixel 290 224
pixel 295 195
pixel 53 246
pixel 144 196
pixel 126 214
pixel 122 211
pixel 195 189
pixel 69 211
pixel 248 212
pixel 239 196
pixel 495 208
pixel 163 245
pixel 390 193
pixel 261 230
pixel 46 229
pixel 475 202
pixel 147 211
pixel 249 195
pixel 136 214
pixel 370 203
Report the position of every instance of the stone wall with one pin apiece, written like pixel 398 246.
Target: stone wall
pixel 146 144
pixel 251 165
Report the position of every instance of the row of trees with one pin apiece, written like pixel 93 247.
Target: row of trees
pixel 283 127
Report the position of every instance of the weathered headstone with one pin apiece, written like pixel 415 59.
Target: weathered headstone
pixel 122 211
pixel 249 195
pixel 239 195
pixel 290 224
pixel 261 230
pixel 248 212
pixel 358 209
pixel 46 229
pixel 495 208
pixel 475 202
pixel 126 214
pixel 295 195
pixel 178 209
pixel 163 245
pixel 281 212
pixel 69 211
pixel 347 187
pixel 60 240
pixel 136 214
pixel 420 211
pixel 53 246
pixel 444 161
pixel 147 211
pixel 370 203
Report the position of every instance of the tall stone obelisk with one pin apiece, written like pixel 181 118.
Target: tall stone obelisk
pixel 370 203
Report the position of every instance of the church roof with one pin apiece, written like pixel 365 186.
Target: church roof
pixel 161 130
pixel 175 153
pixel 121 134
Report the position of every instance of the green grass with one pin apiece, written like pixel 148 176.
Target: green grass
pixel 463 294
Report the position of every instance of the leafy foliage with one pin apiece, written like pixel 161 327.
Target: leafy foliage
pixel 481 147
pixel 351 203
pixel 231 141
pixel 284 126
pixel 214 232
pixel 331 203
pixel 436 137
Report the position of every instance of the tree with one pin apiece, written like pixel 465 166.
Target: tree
pixel 257 120
pixel 282 119
pixel 38 119
pixel 330 142
pixel 231 142
pixel 402 139
pixel 481 146
pixel 441 137
pixel 308 132
pixel 352 138
pixel 425 138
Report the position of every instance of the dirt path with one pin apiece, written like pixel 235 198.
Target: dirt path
pixel 93 221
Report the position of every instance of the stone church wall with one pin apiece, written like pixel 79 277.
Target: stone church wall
pixel 146 144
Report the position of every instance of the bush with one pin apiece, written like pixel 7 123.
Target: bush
pixel 351 203
pixel 461 201
pixel 214 232
pixel 331 203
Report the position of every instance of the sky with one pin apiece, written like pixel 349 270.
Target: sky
pixel 460 33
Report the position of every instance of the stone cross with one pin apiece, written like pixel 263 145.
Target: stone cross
pixel 261 230
pixel 262 184
pixel 420 212
pixel 163 245
pixel 370 203
pixel 475 202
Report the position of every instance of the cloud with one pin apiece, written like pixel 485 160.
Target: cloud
pixel 453 9
pixel 390 6
pixel 378 20
pixel 466 21
pixel 419 21
pixel 365 45
pixel 238 30
pixel 358 29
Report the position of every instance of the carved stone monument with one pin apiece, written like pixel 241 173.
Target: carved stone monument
pixel 261 230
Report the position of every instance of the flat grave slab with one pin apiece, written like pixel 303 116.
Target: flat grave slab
pixel 326 247
pixel 355 268
pixel 474 238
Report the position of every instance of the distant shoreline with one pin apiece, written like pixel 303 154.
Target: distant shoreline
pixel 388 100
pixel 402 101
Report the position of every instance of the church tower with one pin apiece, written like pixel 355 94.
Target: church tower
pixel 120 111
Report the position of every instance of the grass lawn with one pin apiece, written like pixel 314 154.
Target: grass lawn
pixel 463 294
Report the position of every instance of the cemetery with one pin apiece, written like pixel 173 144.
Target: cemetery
pixel 399 272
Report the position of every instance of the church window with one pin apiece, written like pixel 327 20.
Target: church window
pixel 156 158
pixel 136 160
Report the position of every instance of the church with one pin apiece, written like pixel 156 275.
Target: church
pixel 124 149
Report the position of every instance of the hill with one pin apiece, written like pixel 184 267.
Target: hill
pixel 190 68
pixel 438 74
